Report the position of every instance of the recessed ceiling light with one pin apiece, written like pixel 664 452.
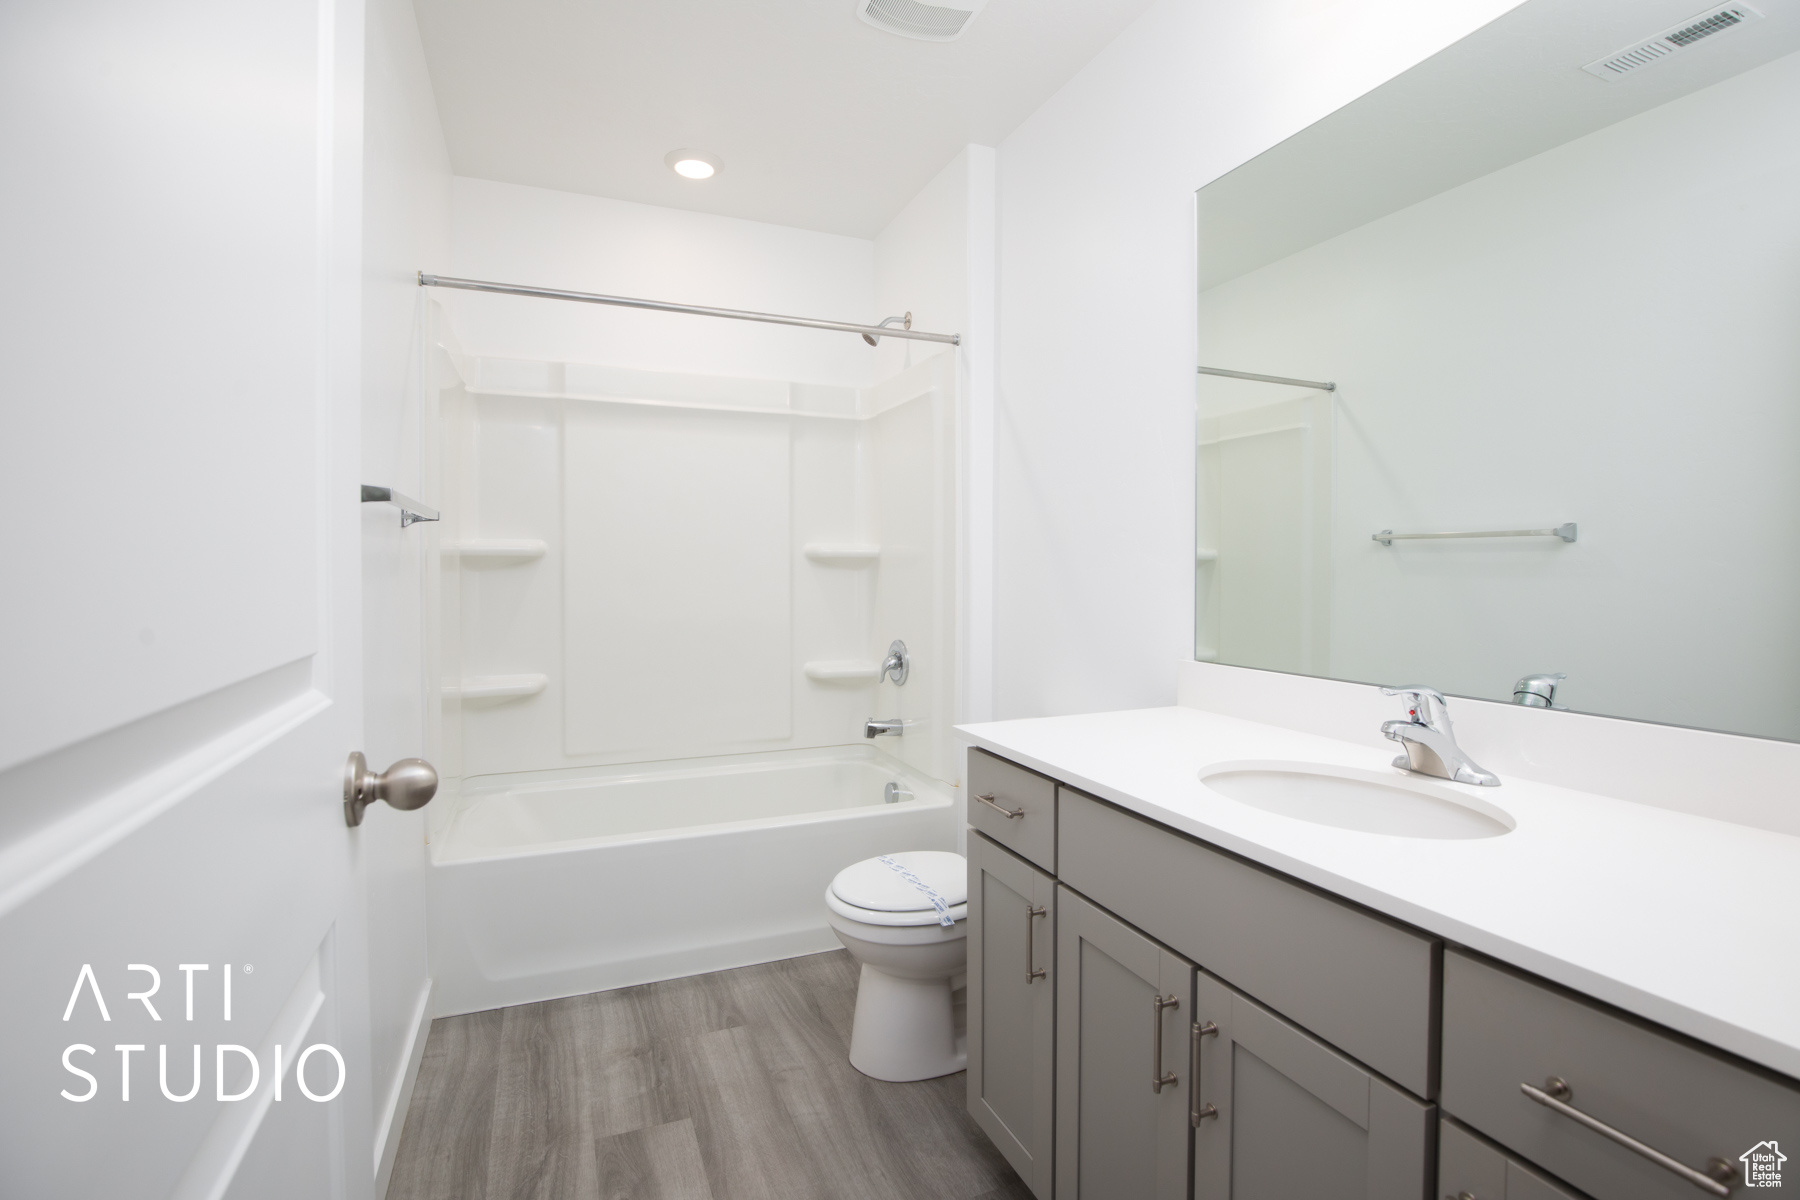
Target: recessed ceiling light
pixel 691 164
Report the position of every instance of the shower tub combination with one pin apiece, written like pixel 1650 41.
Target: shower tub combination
pixel 555 883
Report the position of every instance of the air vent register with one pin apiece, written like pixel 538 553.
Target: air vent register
pixel 1673 40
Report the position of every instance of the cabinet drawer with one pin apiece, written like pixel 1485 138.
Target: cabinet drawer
pixel 1502 1030
pixel 1010 788
pixel 1364 984
pixel 1471 1166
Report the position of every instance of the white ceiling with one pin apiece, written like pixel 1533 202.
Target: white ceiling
pixel 820 120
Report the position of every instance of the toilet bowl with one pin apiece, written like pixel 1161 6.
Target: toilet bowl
pixel 890 913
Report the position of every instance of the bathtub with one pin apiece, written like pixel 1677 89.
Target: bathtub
pixel 557 883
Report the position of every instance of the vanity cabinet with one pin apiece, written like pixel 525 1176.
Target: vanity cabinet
pixel 1123 1085
pixel 1280 1115
pixel 1012 1008
pixel 1226 1032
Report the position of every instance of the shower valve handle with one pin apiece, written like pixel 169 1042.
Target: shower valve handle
pixel 898 664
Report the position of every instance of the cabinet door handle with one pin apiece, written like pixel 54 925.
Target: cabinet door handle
pixel 1197 1036
pixel 1032 972
pixel 1716 1180
pixel 1158 1080
pixel 987 798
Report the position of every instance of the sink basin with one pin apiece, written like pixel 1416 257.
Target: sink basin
pixel 1349 798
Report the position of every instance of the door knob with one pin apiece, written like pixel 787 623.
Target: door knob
pixel 408 784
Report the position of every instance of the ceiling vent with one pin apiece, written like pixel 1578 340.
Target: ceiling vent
pixel 927 22
pixel 1673 40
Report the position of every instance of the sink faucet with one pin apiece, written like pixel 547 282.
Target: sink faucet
pixel 1430 746
pixel 874 727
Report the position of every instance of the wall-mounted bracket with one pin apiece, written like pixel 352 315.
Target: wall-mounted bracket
pixel 410 510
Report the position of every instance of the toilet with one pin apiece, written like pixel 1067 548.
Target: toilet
pixel 890 913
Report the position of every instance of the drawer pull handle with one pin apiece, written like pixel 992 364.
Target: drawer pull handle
pixel 1716 1180
pixel 1158 1080
pixel 987 798
pixel 1197 1036
pixel 1032 972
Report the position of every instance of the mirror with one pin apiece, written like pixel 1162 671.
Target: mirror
pixel 1561 311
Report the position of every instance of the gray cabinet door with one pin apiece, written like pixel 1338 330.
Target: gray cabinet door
pixel 1012 1008
pixel 1292 1119
pixel 1119 1136
pixel 1468 1166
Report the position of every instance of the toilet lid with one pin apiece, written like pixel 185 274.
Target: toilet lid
pixel 872 884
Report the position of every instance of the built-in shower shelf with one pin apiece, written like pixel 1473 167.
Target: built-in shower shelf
pixel 843 671
pixel 498 548
pixel 497 687
pixel 1206 556
pixel 847 553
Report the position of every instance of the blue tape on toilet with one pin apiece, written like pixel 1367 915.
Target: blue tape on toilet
pixel 937 901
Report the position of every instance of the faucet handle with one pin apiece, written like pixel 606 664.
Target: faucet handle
pixel 897 665
pixel 1538 691
pixel 1425 705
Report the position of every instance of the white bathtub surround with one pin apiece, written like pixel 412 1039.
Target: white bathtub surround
pixel 718 563
pixel 905 918
pixel 555 883
pixel 1611 882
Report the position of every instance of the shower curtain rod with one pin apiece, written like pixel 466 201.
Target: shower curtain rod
pixel 514 289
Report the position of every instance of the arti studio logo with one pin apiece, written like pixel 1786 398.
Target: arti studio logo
pixel 237 1070
pixel 1762 1165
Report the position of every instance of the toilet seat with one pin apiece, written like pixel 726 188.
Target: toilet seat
pixel 875 916
pixel 874 893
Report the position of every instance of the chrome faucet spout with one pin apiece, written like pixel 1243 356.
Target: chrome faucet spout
pixel 1430 744
pixel 875 727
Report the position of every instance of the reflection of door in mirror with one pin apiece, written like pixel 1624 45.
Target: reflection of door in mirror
pixel 1263 517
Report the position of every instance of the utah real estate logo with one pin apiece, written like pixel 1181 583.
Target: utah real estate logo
pixel 1762 1165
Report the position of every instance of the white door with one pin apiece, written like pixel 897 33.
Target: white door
pixel 179 641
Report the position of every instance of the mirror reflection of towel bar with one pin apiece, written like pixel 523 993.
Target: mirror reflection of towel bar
pixel 1566 532
pixel 1320 384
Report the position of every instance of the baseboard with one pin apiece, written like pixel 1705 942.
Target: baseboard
pixel 475 994
pixel 393 1113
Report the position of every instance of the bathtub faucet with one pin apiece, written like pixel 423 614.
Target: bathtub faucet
pixel 878 728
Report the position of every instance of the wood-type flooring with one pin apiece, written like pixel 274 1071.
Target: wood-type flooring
pixel 731 1086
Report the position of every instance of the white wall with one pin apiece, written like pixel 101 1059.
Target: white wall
pixel 406 215
pixel 514 234
pixel 921 265
pixel 1654 408
pixel 936 261
pixel 1095 411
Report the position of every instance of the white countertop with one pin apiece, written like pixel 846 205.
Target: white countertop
pixel 1688 922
